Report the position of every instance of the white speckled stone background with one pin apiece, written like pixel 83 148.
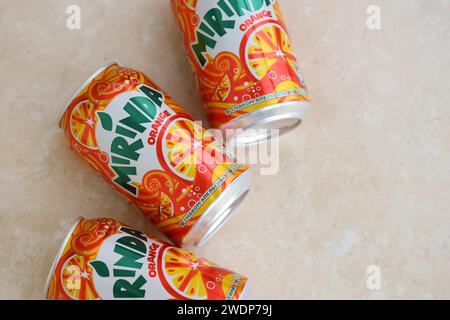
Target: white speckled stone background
pixel 364 181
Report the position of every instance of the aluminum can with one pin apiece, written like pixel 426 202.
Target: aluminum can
pixel 245 66
pixel 105 259
pixel 152 152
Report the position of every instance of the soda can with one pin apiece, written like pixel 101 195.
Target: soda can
pixel 105 259
pixel 245 66
pixel 152 152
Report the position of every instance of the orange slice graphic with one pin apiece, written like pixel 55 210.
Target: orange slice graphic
pixel 267 46
pixel 76 278
pixel 82 124
pixel 183 272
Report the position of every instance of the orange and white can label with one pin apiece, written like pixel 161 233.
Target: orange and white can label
pixel 241 55
pixel 148 148
pixel 105 259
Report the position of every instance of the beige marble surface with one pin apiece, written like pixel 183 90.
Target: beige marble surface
pixel 364 181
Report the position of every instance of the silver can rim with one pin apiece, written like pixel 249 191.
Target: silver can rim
pixel 218 212
pixel 292 110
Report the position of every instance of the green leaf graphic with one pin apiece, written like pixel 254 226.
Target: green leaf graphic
pixel 101 268
pixel 105 120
